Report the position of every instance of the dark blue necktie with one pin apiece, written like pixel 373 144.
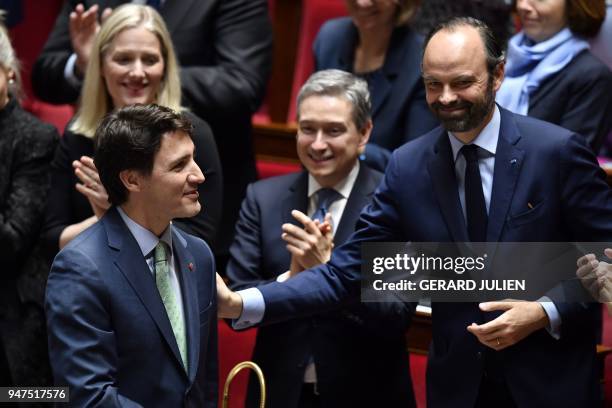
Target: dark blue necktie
pixel 475 207
pixel 156 4
pixel 325 198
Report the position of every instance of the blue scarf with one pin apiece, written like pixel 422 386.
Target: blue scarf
pixel 529 64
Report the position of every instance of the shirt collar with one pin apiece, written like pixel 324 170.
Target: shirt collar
pixel 147 241
pixel 487 139
pixel 344 187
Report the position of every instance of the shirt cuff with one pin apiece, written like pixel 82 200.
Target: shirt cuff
pixel 554 326
pixel 69 72
pixel 253 308
pixel 283 276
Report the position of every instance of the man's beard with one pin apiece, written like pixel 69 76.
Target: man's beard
pixel 473 116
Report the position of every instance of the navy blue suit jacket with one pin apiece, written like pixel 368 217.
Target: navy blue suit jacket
pixel 579 98
pixel 418 201
pixel 399 110
pixel 360 352
pixel 110 339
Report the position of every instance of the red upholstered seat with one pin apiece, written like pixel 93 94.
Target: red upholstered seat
pixel 28 38
pixel 267 169
pixel 314 14
pixel 234 347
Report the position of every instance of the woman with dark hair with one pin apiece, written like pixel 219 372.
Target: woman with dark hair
pixel 26 150
pixel 377 43
pixel 550 72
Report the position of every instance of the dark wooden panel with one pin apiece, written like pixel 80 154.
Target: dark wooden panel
pixel 275 142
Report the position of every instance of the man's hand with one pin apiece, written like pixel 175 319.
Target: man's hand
pixel 596 276
pixel 92 187
pixel 83 27
pixel 309 246
pixel 229 304
pixel 518 321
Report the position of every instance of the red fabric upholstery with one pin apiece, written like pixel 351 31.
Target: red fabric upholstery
pixel 234 348
pixel 314 14
pixel 28 38
pixel 418 365
pixel 267 169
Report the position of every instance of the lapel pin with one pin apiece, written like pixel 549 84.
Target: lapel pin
pixel 513 161
pixel 190 266
pixel 530 206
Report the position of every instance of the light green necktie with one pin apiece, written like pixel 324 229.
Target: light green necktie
pixel 164 286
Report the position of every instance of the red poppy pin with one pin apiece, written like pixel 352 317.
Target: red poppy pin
pixel 190 266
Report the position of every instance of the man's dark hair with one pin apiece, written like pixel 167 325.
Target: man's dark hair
pixel 494 51
pixel 129 139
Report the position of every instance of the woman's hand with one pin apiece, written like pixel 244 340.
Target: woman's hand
pixel 91 186
pixel 83 28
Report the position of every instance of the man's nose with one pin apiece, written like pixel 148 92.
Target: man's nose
pixel 319 142
pixel 196 176
pixel 523 5
pixel 364 3
pixel 447 96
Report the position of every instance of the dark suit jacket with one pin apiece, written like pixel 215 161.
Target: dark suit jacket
pixel 418 201
pixel 224 48
pixel 360 352
pixel 110 339
pixel 399 110
pixel 578 98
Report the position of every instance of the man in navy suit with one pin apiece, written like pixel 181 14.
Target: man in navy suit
pixel 539 183
pixel 321 361
pixel 131 302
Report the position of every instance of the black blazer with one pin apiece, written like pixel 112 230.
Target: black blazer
pixel 224 48
pixel 360 352
pixel 26 151
pixel 399 110
pixel 578 98
pixel 67 206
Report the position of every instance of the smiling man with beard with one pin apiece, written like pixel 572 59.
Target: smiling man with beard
pixel 486 175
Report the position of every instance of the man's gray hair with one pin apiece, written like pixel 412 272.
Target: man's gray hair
pixel 334 82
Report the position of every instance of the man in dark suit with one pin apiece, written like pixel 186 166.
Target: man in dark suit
pixel 537 183
pixel 224 48
pixel 321 361
pixel 131 302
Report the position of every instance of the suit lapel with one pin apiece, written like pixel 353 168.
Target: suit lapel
pixel 444 181
pixel 360 196
pixel 398 60
pixel 131 263
pixel 508 160
pixel 186 274
pixel 297 199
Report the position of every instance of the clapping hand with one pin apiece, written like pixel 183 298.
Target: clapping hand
pixel 596 276
pixel 91 186
pixel 309 246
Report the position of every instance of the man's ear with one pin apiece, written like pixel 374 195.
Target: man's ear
pixel 131 179
pixel 365 132
pixel 498 75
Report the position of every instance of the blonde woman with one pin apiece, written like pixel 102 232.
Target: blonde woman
pixel 132 61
